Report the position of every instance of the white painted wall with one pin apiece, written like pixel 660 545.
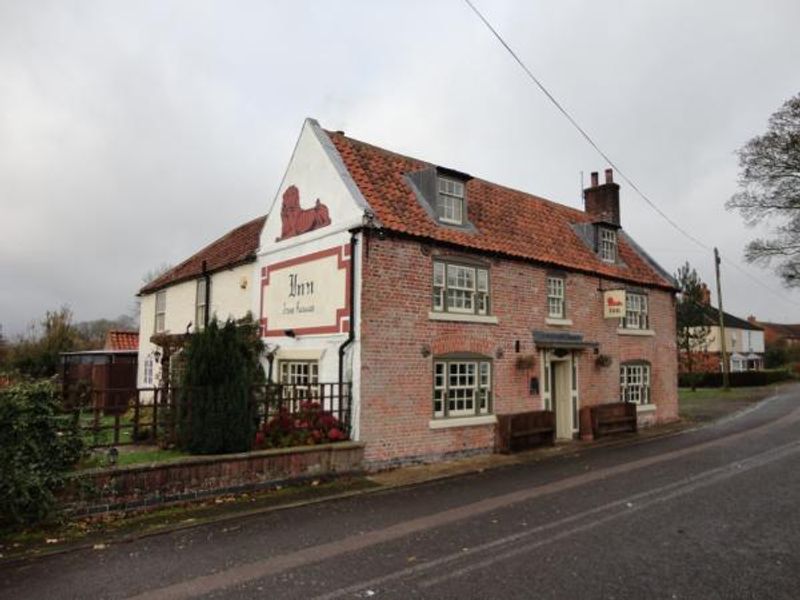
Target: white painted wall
pixel 231 296
pixel 318 172
pixel 743 341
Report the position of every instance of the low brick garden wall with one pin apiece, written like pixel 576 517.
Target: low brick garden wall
pixel 139 486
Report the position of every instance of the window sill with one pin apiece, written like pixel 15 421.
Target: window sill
pixel 639 332
pixel 645 408
pixel 462 318
pixel 462 422
pixel 552 321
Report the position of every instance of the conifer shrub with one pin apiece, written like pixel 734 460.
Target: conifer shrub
pixel 221 364
pixel 38 446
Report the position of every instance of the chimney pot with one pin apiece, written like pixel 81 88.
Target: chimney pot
pixel 595 179
pixel 609 176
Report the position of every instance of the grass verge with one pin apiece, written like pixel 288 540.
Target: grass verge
pixel 708 404
pixel 130 455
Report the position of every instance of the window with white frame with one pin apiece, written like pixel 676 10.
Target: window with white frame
pixel 634 382
pixel 450 201
pixel 299 372
pixel 636 316
pixel 460 289
pixel 302 377
pixel 555 297
pixel 147 371
pixel 607 244
pixel 161 311
pixel 462 388
pixel 200 307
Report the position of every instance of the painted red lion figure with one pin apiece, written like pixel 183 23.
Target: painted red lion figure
pixel 296 220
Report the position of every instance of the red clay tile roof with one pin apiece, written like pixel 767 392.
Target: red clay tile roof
pixel 508 221
pixel 787 330
pixel 236 247
pixel 122 340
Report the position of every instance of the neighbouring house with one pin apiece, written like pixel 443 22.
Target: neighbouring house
pixel 777 335
pixel 442 299
pixel 744 342
pixel 217 280
pixel 781 342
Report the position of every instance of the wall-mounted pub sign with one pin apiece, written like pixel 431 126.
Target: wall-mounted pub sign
pixel 614 304
pixel 307 295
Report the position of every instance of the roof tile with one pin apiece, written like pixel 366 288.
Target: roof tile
pixel 507 221
pixel 122 340
pixel 235 247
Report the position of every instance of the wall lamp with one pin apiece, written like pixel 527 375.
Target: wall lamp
pixel 289 333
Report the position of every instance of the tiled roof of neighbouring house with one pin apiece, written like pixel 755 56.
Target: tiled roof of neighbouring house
pixel 506 221
pixel 712 320
pixel 787 330
pixel 236 247
pixel 122 340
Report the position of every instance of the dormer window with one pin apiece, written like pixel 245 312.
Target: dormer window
pixel 450 201
pixel 607 244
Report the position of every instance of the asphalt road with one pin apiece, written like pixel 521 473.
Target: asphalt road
pixel 711 513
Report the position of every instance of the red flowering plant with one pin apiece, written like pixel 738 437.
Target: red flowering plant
pixel 308 425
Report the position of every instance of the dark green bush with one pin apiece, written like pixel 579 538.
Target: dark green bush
pixel 37 448
pixel 221 364
pixel 743 379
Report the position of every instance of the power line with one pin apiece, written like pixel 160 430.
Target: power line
pixel 605 156
pixel 752 277
pixel 580 129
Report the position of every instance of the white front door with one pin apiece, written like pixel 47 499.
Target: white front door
pixel 561 398
pixel 560 391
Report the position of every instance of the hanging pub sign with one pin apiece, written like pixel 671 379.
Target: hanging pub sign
pixel 307 294
pixel 614 304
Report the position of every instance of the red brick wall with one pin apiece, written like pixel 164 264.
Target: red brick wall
pixel 142 486
pixel 396 379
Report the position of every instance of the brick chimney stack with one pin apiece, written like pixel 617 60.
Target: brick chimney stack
pixel 705 294
pixel 601 202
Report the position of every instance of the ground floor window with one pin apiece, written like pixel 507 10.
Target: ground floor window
pixel 302 375
pixel 461 388
pixel 147 377
pixel 634 381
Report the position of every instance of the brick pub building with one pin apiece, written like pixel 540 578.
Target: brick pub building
pixel 446 300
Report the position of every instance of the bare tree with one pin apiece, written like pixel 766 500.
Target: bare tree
pixel 770 190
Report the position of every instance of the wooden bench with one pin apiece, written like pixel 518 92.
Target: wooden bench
pixel 616 417
pixel 521 431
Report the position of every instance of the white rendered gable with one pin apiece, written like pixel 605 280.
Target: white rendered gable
pixel 316 186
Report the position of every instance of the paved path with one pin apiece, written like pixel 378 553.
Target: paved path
pixel 712 513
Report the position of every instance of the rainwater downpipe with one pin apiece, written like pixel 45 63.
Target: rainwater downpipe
pixel 352 334
pixel 207 277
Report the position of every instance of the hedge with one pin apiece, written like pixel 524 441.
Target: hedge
pixel 737 379
pixel 38 445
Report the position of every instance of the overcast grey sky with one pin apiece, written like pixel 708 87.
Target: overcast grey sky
pixel 133 133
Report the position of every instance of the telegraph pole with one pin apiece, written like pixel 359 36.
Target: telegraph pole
pixel 723 349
